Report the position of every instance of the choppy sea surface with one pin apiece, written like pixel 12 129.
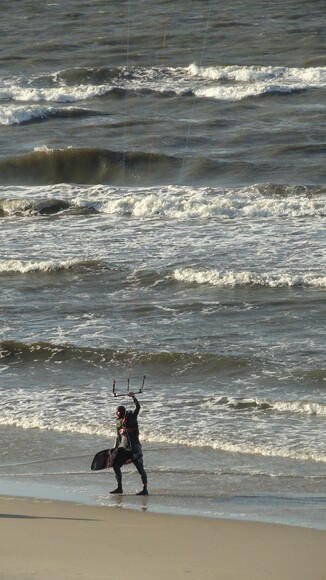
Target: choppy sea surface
pixel 162 214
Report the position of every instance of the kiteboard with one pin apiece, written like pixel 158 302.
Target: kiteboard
pixel 105 458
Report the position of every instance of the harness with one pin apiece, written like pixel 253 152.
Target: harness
pixel 127 423
pixel 127 428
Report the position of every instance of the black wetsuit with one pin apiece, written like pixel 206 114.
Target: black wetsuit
pixel 128 444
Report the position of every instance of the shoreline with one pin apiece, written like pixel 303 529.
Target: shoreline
pixel 88 488
pixel 63 539
pixel 232 508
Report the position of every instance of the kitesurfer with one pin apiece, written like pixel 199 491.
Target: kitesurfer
pixel 128 444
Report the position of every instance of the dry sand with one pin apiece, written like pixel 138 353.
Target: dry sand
pixel 51 540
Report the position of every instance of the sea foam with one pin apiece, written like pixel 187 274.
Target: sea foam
pixel 248 278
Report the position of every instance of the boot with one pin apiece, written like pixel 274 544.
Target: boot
pixel 143 491
pixel 117 490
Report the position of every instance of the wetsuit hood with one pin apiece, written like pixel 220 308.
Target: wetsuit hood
pixel 120 411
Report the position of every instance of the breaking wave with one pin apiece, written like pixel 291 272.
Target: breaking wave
pixel 46 266
pixel 218 82
pixel 64 411
pixel 251 404
pixel 102 357
pixel 248 278
pixel 237 83
pixel 165 202
pixel 21 115
pixel 25 206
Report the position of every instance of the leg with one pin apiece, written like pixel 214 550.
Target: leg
pixel 121 457
pixel 141 471
pixel 118 476
pixel 137 460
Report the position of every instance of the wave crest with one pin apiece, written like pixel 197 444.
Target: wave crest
pixel 218 82
pixel 23 114
pixel 294 407
pixel 236 83
pixel 87 165
pixel 47 266
pixel 246 278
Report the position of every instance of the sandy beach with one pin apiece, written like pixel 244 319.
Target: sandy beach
pixel 56 540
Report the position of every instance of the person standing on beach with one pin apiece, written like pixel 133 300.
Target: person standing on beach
pixel 128 444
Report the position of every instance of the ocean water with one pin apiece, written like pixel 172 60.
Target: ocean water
pixel 162 214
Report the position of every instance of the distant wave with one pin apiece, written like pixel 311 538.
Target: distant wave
pixel 42 351
pixel 21 115
pixel 87 165
pixel 240 82
pixel 231 83
pixel 247 278
pixel 250 404
pixel 47 266
pixel 59 94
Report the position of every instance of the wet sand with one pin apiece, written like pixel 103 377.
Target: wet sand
pixel 51 540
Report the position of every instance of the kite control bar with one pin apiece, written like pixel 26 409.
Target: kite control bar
pixel 126 394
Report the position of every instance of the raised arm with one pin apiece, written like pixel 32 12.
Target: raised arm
pixel 135 400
